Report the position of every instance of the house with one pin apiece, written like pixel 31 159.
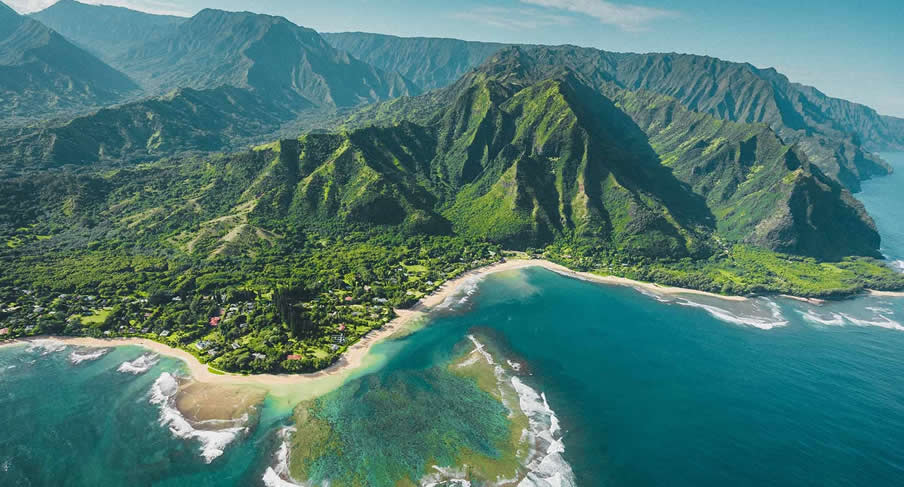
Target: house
pixel 215 321
pixel 342 327
pixel 164 333
pixel 177 299
pixel 294 357
pixel 349 299
pixel 258 356
pixel 213 353
pixel 4 331
pixel 236 346
pixel 202 345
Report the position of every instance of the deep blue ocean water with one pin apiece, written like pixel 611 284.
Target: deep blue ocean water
pixel 679 391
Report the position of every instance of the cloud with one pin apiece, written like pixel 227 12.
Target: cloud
pixel 29 6
pixel 160 7
pixel 624 16
pixel 512 18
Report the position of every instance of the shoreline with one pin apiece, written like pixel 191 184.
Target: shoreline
pixel 353 358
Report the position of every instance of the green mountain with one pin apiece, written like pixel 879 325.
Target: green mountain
pixel 308 237
pixel 185 120
pixel 514 154
pixel 757 189
pixel 236 77
pixel 836 134
pixel 761 191
pixel 107 31
pixel 265 54
pixel 42 73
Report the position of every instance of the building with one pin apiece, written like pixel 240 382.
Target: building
pixel 294 357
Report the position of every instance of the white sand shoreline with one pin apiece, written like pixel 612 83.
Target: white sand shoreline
pixel 353 358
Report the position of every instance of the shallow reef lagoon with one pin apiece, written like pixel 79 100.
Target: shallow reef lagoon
pixel 647 390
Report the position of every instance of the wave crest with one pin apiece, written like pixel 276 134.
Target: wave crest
pixel 140 365
pixel 213 442
pixel 761 321
pixel 80 356
pixel 548 467
pixel 46 346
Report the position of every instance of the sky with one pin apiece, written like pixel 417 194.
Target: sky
pixel 848 49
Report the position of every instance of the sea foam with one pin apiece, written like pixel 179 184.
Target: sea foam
pixel 140 365
pixel 78 357
pixel 898 265
pixel 213 442
pixel 548 467
pixel 833 319
pixel 462 293
pixel 774 320
pixel 278 475
pixel 879 318
pixel 46 346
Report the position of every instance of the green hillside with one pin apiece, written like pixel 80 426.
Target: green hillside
pixel 154 219
pixel 837 135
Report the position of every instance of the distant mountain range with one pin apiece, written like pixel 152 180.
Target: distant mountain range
pixel 835 133
pixel 43 73
pixel 211 82
pixel 661 155
pixel 106 31
pixel 262 53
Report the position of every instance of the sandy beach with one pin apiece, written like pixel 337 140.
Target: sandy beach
pixel 887 294
pixel 353 359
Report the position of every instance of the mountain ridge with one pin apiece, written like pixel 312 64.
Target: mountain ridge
pixel 42 73
pixel 838 132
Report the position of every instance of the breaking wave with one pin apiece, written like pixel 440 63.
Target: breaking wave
pixel 766 319
pixel 650 294
pixel 278 475
pixel 445 477
pixel 140 365
pixel 462 293
pixel 880 318
pixel 46 346
pixel 78 357
pixel 213 442
pixel 832 319
pixel 881 321
pixel 548 467
pixel 898 265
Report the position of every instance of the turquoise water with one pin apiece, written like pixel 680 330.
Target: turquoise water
pixel 649 391
pixel 91 425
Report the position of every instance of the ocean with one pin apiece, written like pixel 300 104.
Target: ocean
pixel 624 388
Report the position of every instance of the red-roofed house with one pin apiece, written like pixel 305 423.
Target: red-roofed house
pixel 349 299
pixel 4 331
pixel 294 357
pixel 342 327
pixel 215 321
